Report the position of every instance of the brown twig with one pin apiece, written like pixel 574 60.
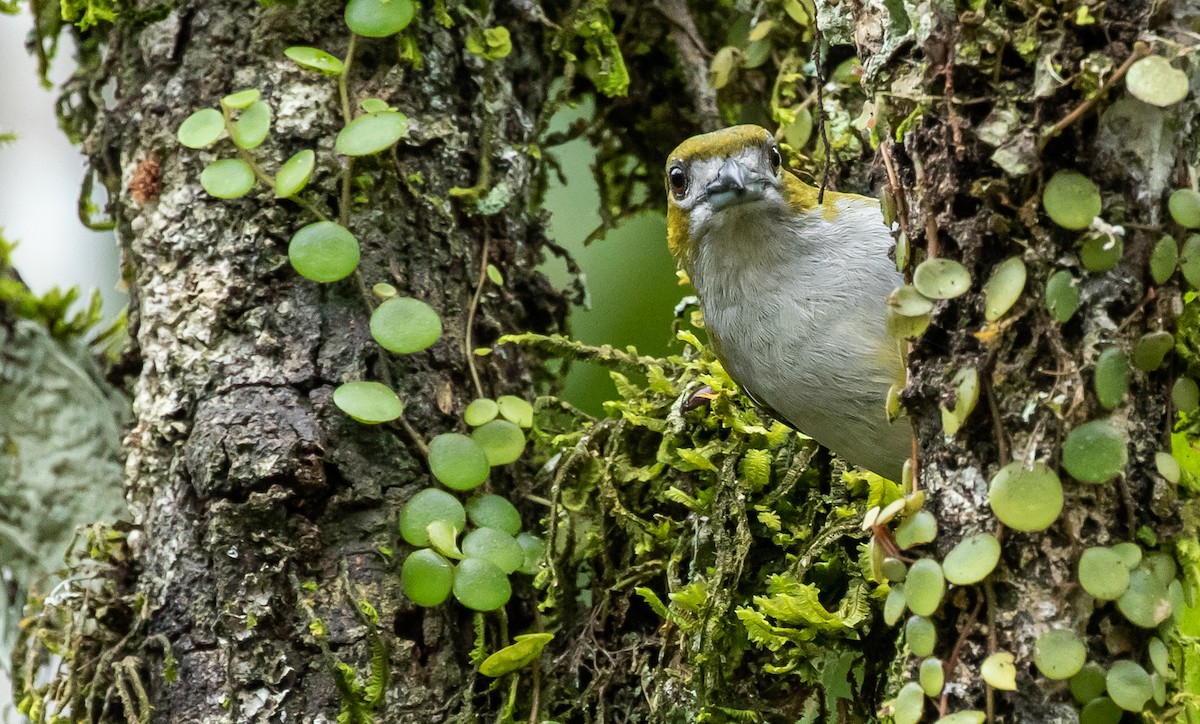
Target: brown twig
pixel 694 60
pixel 997 424
pixel 894 186
pixel 468 336
pixel 1140 50
pixel 953 660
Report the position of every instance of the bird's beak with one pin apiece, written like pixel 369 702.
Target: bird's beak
pixel 730 186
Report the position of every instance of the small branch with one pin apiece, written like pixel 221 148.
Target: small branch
pixel 344 94
pixel 953 660
pixel 989 595
pixel 1140 50
pixel 997 423
pixel 468 337
pixel 693 61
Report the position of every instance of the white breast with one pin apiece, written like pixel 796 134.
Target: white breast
pixel 798 309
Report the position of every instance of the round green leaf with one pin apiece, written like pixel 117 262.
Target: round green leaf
pixel 1062 296
pixel 1059 654
pixel 1129 553
pixel 894 570
pixel 1026 499
pixel 501 440
pixel 383 290
pixel 229 178
pixel 368 402
pixel 493 511
pixel 1100 711
pixel 894 605
pixel 443 538
pixel 932 677
pixel 1004 288
pixel 324 252
pixel 241 98
pixel 1129 685
pixel 1111 380
pixel 405 325
pixel 1155 81
pixel 999 672
pixel 966 394
pixel 1159 657
pixel 1163 259
pixel 379 18
pixel 315 59
pixel 1101 252
pixel 252 126
pixel 535 551
pixel 494 274
pixel 1088 683
pixel 1184 205
pixel 1189 260
pixel 480 585
pixel 515 410
pixel 426 577
pixel 371 133
pixel 524 651
pixel 941 278
pixel 480 411
pixel 1185 394
pixel 799 130
pixel 202 128
pixel 374 105
pixel 427 506
pixel 1145 603
pixel 1162 566
pixel 906 301
pixel 972 559
pixel 1168 466
pixel 1095 452
pixel 924 587
pixel 921 635
pixel 294 174
pixel 457 461
pixel 494 545
pixel 1102 574
pixel 920 527
pixel 1151 348
pixel 1071 200
pixel 909 704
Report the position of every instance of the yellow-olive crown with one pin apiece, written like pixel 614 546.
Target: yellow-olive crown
pixel 736 166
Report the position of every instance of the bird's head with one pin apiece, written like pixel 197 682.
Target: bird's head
pixel 734 170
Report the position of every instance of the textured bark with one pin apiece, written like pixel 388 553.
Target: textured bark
pixel 973 197
pixel 245 480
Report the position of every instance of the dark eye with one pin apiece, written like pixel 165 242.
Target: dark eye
pixel 776 159
pixel 678 180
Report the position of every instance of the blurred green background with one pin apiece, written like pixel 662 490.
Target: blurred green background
pixel 630 275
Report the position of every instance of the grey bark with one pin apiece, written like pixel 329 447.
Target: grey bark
pixel 245 481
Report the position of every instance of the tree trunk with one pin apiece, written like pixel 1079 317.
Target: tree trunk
pixel 967 165
pixel 261 511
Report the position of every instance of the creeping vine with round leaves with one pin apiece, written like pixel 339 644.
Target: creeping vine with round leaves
pixel 1139 580
pixel 466 543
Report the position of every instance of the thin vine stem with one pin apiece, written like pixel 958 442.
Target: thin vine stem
pixel 469 335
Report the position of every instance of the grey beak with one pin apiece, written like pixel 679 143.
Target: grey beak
pixel 729 179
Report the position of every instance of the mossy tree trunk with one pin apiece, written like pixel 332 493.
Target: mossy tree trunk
pixel 982 107
pixel 261 512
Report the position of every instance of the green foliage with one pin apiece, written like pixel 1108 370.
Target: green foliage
pixel 88 13
pixel 782 591
pixel 592 27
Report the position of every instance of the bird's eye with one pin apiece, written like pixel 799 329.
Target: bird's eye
pixel 776 159
pixel 678 180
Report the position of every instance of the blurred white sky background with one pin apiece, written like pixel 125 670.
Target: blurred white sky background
pixel 40 177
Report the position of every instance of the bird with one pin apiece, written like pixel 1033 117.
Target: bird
pixel 792 287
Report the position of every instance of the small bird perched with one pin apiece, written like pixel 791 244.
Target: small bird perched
pixel 792 291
